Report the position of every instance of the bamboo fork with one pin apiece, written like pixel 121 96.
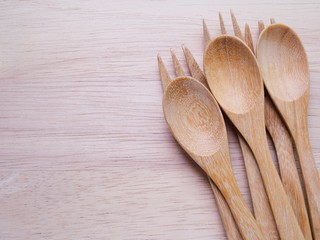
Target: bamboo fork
pixel 288 169
pixel 260 201
pixel 210 148
pixel 228 221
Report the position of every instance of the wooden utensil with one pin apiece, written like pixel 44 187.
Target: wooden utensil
pixel 233 76
pixel 284 67
pixel 287 165
pixel 196 122
pixel 228 221
pixel 261 206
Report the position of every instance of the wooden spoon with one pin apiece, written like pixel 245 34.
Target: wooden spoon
pixel 287 164
pixel 228 221
pixel 196 122
pixel 285 70
pixel 260 201
pixel 233 76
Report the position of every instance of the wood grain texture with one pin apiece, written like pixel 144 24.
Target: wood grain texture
pixel 85 151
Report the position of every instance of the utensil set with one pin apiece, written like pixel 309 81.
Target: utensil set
pixel 233 82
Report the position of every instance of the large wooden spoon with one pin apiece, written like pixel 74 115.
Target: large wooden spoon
pixel 196 122
pixel 285 70
pixel 234 78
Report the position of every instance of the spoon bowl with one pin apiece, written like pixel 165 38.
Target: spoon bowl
pixel 198 124
pixel 283 62
pixel 236 89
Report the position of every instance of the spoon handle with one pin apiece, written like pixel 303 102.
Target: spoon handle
pixel 222 175
pixel 288 169
pixel 228 221
pixel 285 218
pixel 311 179
pixel 262 209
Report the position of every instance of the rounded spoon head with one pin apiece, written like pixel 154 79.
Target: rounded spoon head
pixel 283 62
pixel 194 117
pixel 233 74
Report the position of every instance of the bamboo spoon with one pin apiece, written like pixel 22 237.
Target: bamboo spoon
pixel 196 122
pixel 262 209
pixel 285 70
pixel 287 165
pixel 233 76
pixel 228 221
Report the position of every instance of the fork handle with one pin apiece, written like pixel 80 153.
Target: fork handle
pixel 228 221
pixel 223 177
pixel 311 177
pixel 288 169
pixel 285 218
pixel 260 201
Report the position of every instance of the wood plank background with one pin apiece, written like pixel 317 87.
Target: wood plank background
pixel 84 150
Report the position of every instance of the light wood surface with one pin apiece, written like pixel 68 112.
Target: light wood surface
pixel 85 151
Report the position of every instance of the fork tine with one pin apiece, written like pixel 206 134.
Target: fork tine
pixel 177 65
pixel 193 66
pixel 236 27
pixel 261 26
pixel 222 26
pixel 164 75
pixel 248 38
pixel 206 34
pixel 272 21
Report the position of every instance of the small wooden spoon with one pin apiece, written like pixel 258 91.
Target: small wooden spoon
pixel 196 122
pixel 285 70
pixel 233 76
